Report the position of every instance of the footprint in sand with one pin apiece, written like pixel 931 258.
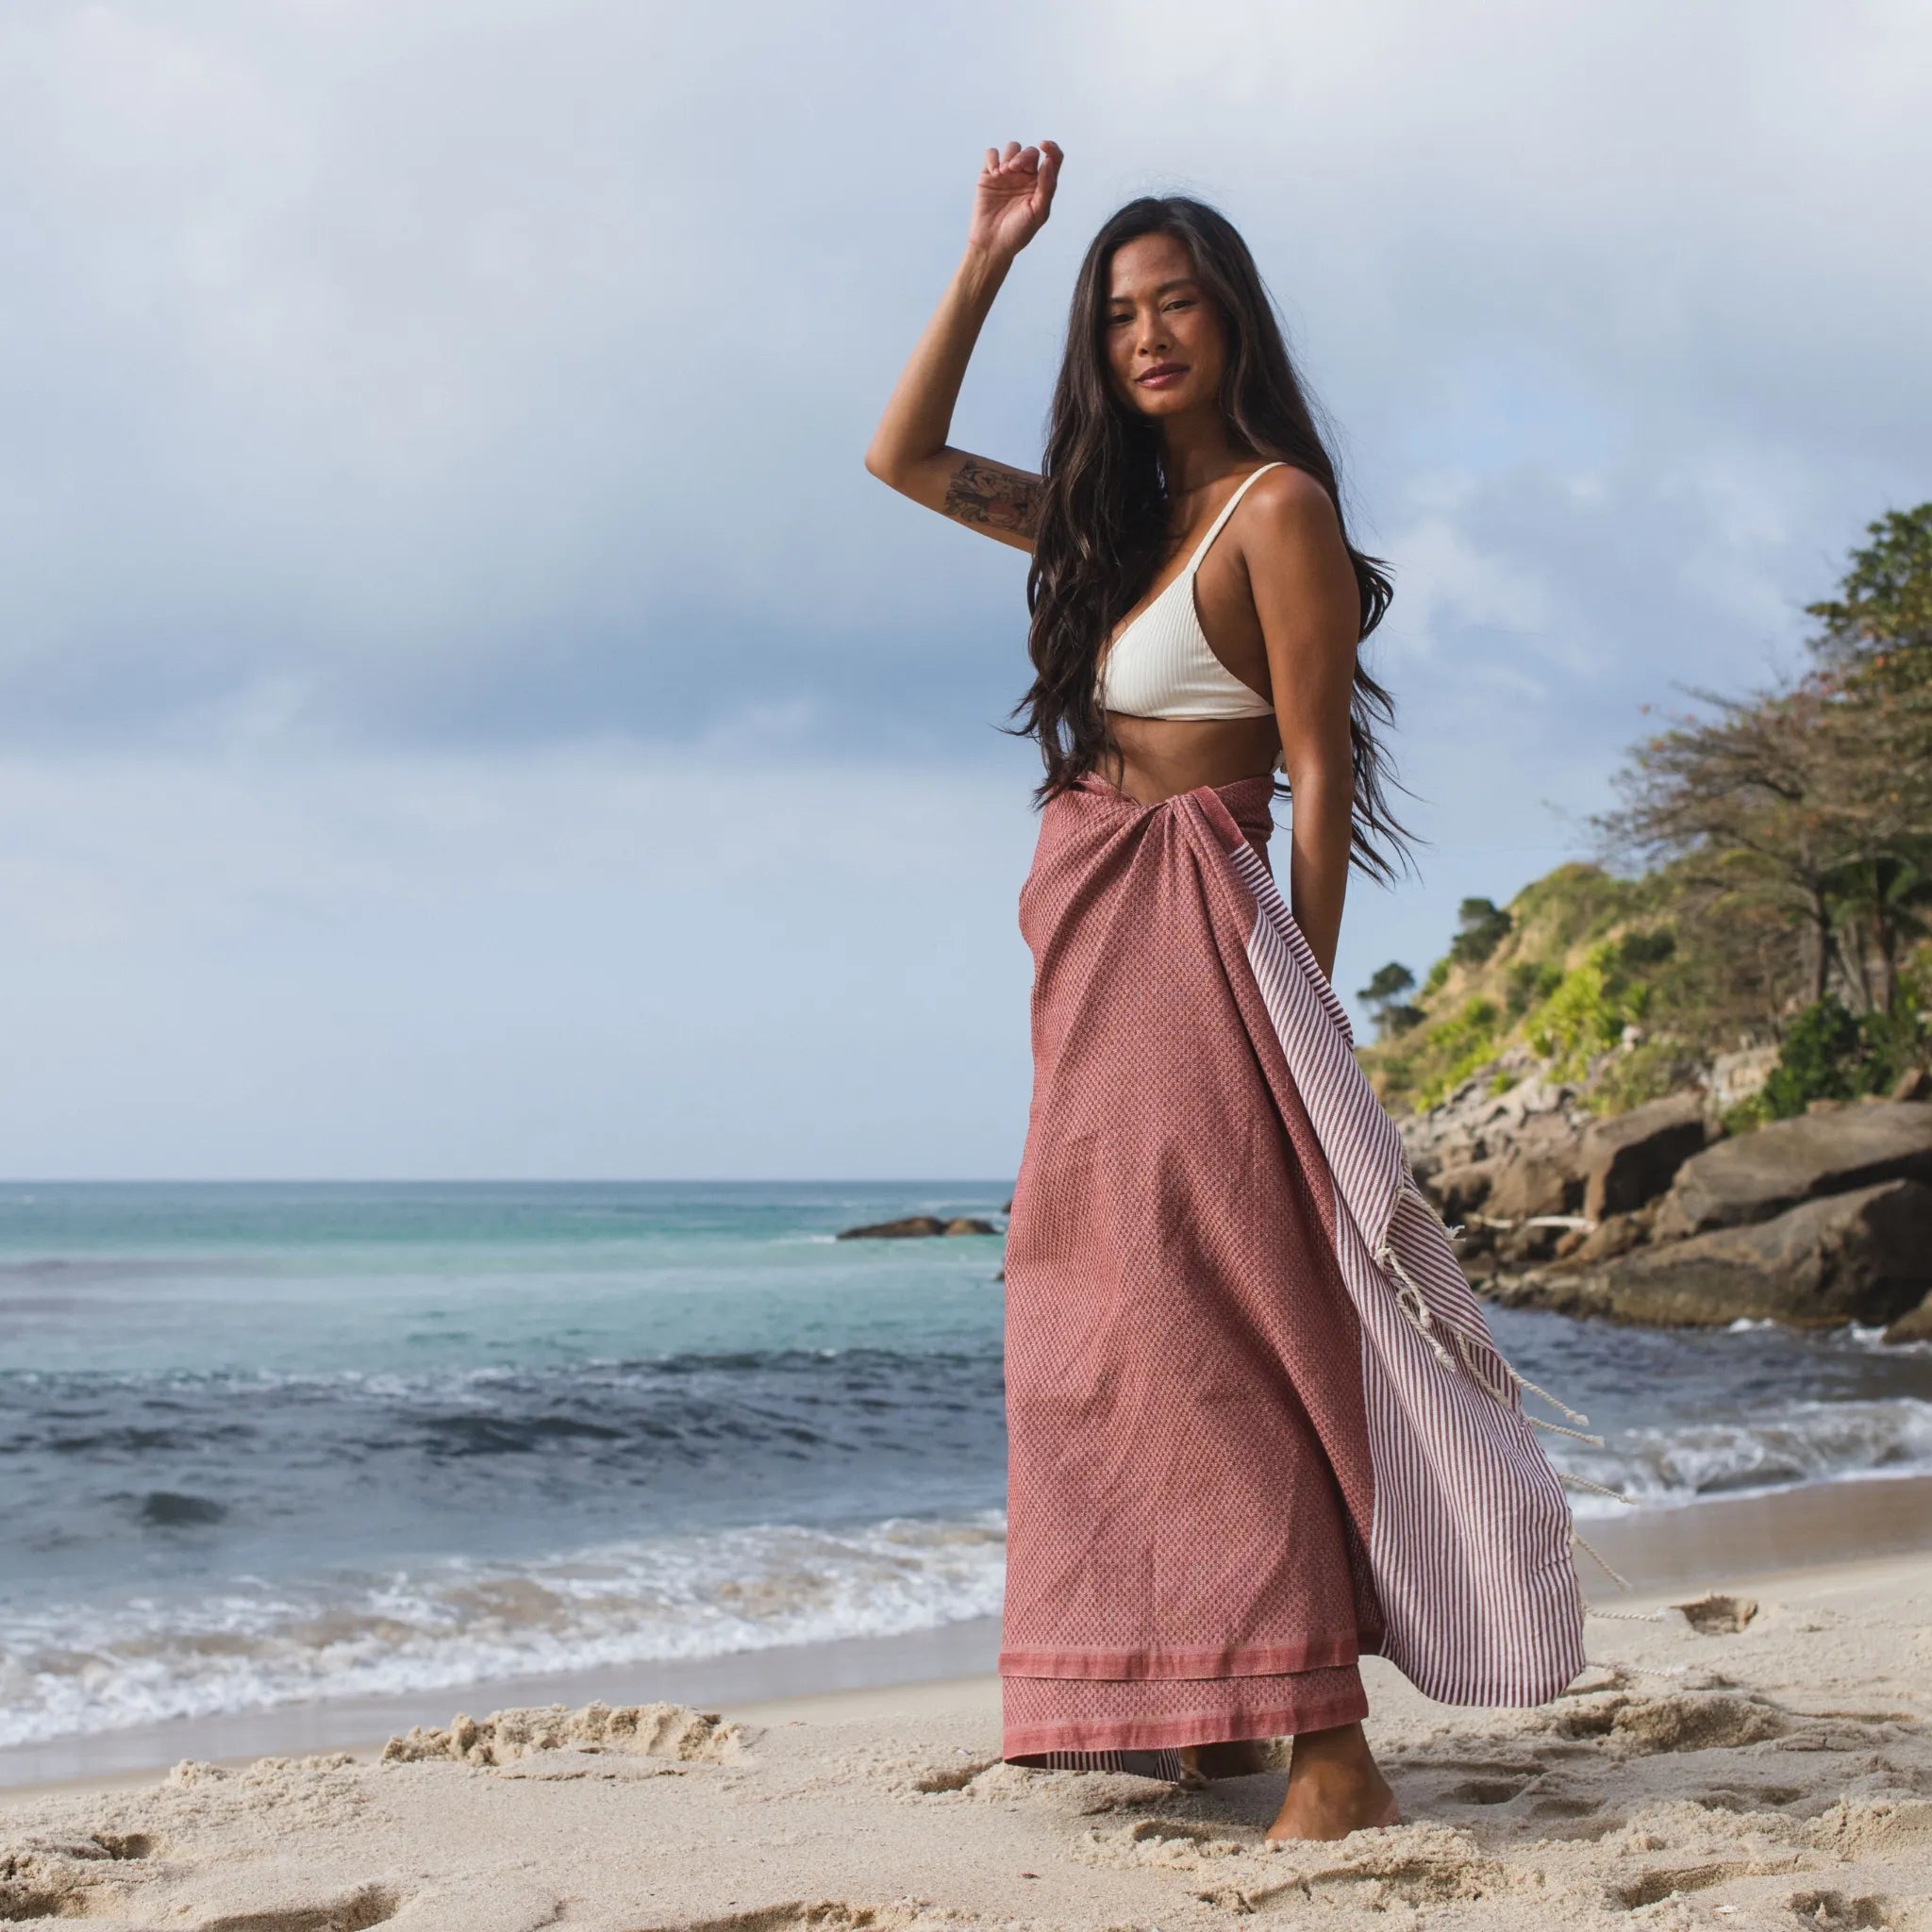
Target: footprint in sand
pixel 75 1878
pixel 826 1915
pixel 953 1777
pixel 67 1877
pixel 1650 1887
pixel 1837 1913
pixel 1571 1812
pixel 638 1730
pixel 1491 1791
pixel 1716 1615
pixel 1415 1865
pixel 1681 1721
pixel 1168 1830
pixel 1755 1798
pixel 370 1905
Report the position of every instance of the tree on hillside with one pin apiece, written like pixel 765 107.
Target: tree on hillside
pixel 1383 997
pixel 1739 799
pixel 1886 899
pixel 1875 650
pixel 1808 806
pixel 1884 607
pixel 1481 927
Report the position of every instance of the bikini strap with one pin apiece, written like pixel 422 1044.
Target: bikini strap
pixel 1227 512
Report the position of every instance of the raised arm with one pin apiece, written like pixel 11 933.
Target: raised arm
pixel 908 449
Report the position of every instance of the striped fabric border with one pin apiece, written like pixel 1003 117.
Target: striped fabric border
pixel 1470 1545
pixel 1162 1764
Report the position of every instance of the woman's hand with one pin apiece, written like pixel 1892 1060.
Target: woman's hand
pixel 1011 200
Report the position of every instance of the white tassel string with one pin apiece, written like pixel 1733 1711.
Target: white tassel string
pixel 1471 1359
pixel 1583 1482
pixel 1524 1382
pixel 1536 1422
pixel 1615 1576
pixel 1409 1298
pixel 1420 1315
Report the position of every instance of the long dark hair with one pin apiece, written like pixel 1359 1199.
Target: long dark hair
pixel 1103 526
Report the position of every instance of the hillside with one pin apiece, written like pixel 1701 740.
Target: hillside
pixel 1625 989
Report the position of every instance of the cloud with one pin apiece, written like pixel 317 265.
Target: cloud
pixel 491 374
pixel 426 418
pixel 564 963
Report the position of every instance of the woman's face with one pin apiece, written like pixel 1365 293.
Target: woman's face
pixel 1160 331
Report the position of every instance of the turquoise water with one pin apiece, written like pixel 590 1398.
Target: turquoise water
pixel 320 1277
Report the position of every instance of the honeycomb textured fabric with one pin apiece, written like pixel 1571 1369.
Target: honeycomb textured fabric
pixel 1256 1425
pixel 1151 1713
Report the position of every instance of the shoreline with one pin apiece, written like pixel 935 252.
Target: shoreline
pixel 1772 1764
pixel 1718 1545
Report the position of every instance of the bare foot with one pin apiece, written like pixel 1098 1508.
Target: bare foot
pixel 1334 1788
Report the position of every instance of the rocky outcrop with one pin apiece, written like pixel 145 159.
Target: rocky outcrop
pixel 1630 1158
pixel 1915 1325
pixel 1863 1256
pixel 1759 1175
pixel 915 1224
pixel 1813 1222
pixel 1541 1173
pixel 1501 1157
pixel 1473 1124
pixel 1464 1189
pixel 1605 1240
pixel 1651 1216
pixel 894 1230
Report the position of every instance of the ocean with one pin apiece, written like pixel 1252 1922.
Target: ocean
pixel 265 1443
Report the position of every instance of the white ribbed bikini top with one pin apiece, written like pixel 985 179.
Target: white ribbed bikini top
pixel 1160 665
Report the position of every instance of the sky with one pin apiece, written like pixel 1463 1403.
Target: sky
pixel 465 710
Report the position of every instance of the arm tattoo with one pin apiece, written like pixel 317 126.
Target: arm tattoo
pixel 991 494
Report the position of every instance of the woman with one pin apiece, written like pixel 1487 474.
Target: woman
pixel 1257 1427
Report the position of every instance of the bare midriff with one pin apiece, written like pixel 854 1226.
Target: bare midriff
pixel 1160 758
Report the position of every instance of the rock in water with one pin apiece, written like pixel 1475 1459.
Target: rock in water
pixel 968 1223
pixel 1630 1158
pixel 1614 1235
pixel 1761 1174
pixel 1865 1255
pixel 1915 1325
pixel 894 1230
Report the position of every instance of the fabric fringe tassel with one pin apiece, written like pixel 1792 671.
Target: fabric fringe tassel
pixel 1411 1301
pixel 1615 1574
pixel 1410 1298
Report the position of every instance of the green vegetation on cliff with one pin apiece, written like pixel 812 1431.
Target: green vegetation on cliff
pixel 1584 955
pixel 1775 888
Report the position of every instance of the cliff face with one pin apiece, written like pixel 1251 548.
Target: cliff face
pixel 1656 1216
pixel 1575 1090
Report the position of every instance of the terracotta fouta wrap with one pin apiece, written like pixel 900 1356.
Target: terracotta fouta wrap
pixel 1257 1425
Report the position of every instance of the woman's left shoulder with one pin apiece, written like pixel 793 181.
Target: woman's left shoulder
pixel 1293 513
pixel 1289 491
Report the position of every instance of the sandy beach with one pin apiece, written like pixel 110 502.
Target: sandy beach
pixel 1762 1761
